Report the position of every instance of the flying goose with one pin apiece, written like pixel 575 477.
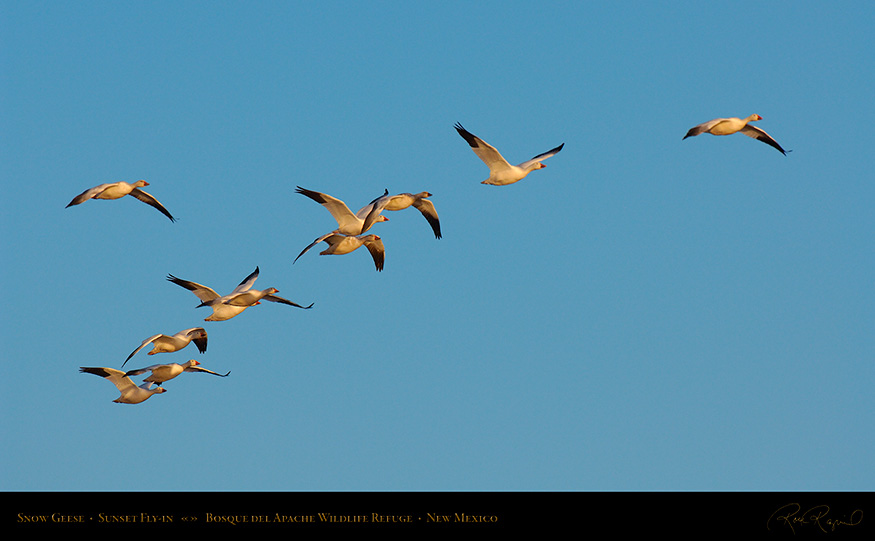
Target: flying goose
pixel 167 344
pixel 501 172
pixel 130 393
pixel 165 372
pixel 228 306
pixel 419 202
pixel 117 190
pixel 339 244
pixel 728 126
pixel 347 222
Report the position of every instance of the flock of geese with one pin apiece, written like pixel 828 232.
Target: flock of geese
pixel 349 235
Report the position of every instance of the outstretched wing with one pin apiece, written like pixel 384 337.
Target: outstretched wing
pixel 760 135
pixel 486 152
pixel 199 369
pixel 145 343
pixel 336 207
pixel 200 291
pixel 274 298
pixel 378 252
pixel 312 244
pixel 541 157
pixel 426 208
pixel 87 194
pixel 149 200
pixel 370 212
pixel 703 127
pixel 116 377
pixel 247 282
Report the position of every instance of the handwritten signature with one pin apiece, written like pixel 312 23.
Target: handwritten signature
pixel 790 515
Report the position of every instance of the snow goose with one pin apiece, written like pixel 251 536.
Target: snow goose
pixel 419 202
pixel 343 244
pixel 501 172
pixel 227 306
pixel 347 222
pixel 165 372
pixel 728 126
pixel 130 393
pixel 167 344
pixel 117 190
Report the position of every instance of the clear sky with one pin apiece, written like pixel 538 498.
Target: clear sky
pixel 645 313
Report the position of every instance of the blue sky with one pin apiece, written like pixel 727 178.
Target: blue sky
pixel 644 314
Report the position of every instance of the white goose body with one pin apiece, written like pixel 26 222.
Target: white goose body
pixel 165 372
pixel 420 202
pixel 130 393
pixel 339 244
pixel 227 306
pixel 728 126
pixel 163 343
pixel 117 190
pixel 501 172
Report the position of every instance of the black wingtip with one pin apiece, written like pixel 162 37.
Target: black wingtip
pixel 466 135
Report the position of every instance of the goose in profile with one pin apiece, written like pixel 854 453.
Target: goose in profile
pixel 501 172
pixel 420 203
pixel 130 393
pixel 728 126
pixel 117 190
pixel 165 372
pixel 347 222
pixel 163 343
pixel 339 244
pixel 227 306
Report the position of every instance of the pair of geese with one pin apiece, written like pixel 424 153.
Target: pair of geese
pixel 348 237
pixel 132 393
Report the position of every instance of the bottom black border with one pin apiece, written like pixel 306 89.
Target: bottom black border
pixel 794 514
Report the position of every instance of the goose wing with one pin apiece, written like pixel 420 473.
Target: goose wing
pixel 199 369
pixel 138 371
pixel 87 194
pixel 145 343
pixel 426 208
pixel 378 252
pixel 275 298
pixel 541 157
pixel 246 283
pixel 336 207
pixel 703 127
pixel 149 200
pixel 198 335
pixel 370 212
pixel 116 377
pixel 486 152
pixel 761 135
pixel 312 244
pixel 202 292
